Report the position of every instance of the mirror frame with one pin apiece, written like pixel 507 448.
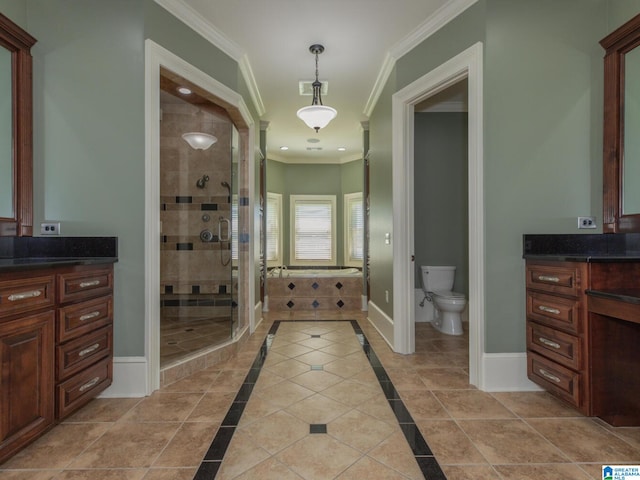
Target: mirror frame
pixel 19 43
pixel 616 45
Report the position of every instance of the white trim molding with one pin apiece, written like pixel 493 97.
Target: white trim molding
pixel 431 25
pixel 381 322
pixel 129 378
pixel 467 64
pixel 506 372
pixel 190 17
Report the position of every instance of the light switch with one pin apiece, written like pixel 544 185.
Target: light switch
pixel 387 238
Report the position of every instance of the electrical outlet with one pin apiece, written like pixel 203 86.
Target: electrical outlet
pixel 586 222
pixel 50 228
pixel 386 296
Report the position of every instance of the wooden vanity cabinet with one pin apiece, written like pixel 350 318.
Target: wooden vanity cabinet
pixel 557 333
pixel 56 347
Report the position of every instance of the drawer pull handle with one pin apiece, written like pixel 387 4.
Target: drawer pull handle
pixel 549 310
pixel 547 278
pixel 91 283
pixel 24 295
pixel 89 316
pixel 548 343
pixel 548 376
pixel 88 350
pixel 89 384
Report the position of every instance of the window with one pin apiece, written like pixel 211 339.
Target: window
pixel 313 227
pixel 354 230
pixel 274 229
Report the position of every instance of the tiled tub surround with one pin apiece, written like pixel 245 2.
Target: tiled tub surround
pixel 474 435
pixel 315 293
pixel 195 271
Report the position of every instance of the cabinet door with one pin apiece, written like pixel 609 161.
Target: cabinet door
pixel 26 380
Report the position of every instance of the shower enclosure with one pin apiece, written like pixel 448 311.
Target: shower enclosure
pixel 198 255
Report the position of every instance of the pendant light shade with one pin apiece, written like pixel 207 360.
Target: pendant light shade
pixel 316 115
pixel 199 140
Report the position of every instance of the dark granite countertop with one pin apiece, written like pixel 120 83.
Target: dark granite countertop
pixel 608 247
pixel 583 258
pixel 23 253
pixel 627 295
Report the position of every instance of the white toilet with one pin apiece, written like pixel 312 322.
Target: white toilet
pixel 437 283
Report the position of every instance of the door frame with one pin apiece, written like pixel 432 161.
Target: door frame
pixel 468 64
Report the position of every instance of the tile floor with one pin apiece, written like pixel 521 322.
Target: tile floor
pixel 473 434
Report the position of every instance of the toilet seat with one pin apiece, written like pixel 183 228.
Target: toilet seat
pixel 449 295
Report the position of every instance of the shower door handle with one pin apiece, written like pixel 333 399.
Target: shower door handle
pixel 228 222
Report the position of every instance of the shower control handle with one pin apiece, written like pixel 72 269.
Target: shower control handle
pixel 228 222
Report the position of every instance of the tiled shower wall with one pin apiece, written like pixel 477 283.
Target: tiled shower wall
pixel 188 265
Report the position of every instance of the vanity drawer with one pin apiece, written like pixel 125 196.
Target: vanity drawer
pixel 81 388
pixel 78 354
pixel 557 312
pixel 21 295
pixel 563 280
pixel 79 285
pixel 558 346
pixel 80 318
pixel 555 378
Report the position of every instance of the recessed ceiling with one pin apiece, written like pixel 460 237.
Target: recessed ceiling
pixel 275 35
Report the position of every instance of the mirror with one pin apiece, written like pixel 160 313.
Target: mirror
pixel 621 161
pixel 16 132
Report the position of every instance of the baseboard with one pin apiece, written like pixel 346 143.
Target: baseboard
pixel 265 305
pixel 365 302
pixel 257 314
pixel 506 372
pixel 129 378
pixel 381 322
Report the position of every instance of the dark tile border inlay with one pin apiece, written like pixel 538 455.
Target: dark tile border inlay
pixel 426 461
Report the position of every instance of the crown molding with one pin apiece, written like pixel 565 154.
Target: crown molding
pixel 197 23
pixel 431 25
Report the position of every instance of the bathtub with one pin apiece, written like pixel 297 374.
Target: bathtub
pixel 314 272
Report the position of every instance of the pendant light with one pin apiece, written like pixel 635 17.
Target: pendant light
pixel 316 115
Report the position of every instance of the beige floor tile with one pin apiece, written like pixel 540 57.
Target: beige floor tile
pixel 378 407
pixel 316 357
pixel 273 358
pixel 241 455
pixel 29 474
pixel 316 380
pixel 189 445
pixel 317 409
pixel 284 394
pixel 316 343
pixel 104 474
pixel 288 368
pixel 170 474
pixel 267 379
pixel 541 472
pixel 423 405
pixel 366 377
pixel 445 378
pixel 368 468
pixel 471 404
pixel 270 469
pixel 59 447
pixel 596 444
pixel 449 443
pixel 256 409
pixel 395 453
pixel 535 404
pixel 163 407
pixel 228 381
pixel 276 431
pixel 359 430
pixel 104 410
pixel 342 349
pixel 351 393
pixel 469 472
pixel 212 407
pixel 309 457
pixel 197 382
pixel 504 441
pixel 127 445
pixel 344 367
pixel 292 350
pixel 406 379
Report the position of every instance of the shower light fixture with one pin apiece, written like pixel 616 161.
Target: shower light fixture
pixel 316 115
pixel 199 140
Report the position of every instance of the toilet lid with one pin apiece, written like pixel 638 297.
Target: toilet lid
pixel 450 294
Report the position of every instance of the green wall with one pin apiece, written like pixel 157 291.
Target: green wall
pixel 542 137
pixel 89 157
pixel 441 211
pixel 314 179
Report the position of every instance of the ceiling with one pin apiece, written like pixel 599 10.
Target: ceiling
pixel 271 39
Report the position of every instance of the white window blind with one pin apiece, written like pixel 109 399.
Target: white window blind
pixel 274 229
pixel 354 229
pixel 313 229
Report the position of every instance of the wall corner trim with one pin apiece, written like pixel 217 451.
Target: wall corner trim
pixel 129 378
pixel 506 372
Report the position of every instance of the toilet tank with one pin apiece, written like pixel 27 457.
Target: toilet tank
pixel 438 278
